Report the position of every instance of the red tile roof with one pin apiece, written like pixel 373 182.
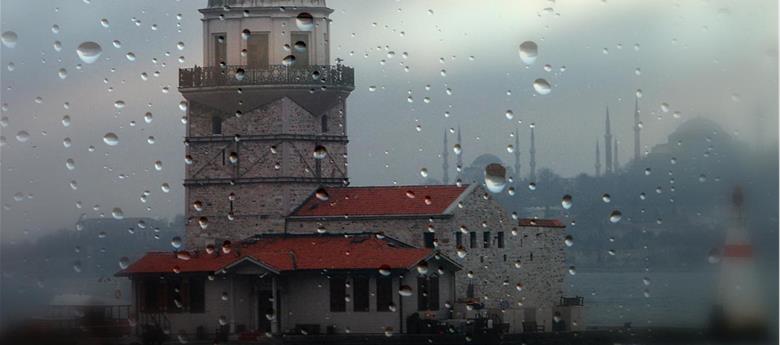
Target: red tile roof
pixel 542 223
pixel 381 201
pixel 293 252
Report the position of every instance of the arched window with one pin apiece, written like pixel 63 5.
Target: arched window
pixel 324 123
pixel 216 124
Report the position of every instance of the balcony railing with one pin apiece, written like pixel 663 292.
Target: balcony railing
pixel 337 76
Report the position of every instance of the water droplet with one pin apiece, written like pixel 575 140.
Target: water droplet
pixel 62 73
pixel 22 136
pixel 130 56
pixel 424 172
pixel 104 22
pixel 304 21
pixel 322 194
pixel 568 240
pixel 606 198
pixel 9 39
pixel 457 149
pixel 288 60
pixel 509 115
pixel 124 262
pixel 713 256
pixel 615 216
pixel 176 242
pixel 528 52
pixel 572 270
pixel 320 152
pixel 532 185
pixel 111 139
pixel 119 104
pixel 405 291
pixel 117 213
pixel 495 177
pixel 542 87
pixel 566 201
pixel 89 52
pixel 384 270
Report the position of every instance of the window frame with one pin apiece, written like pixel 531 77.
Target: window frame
pixel 338 294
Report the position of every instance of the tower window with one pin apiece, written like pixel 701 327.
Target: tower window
pixel 300 44
pixel 459 239
pixel 324 123
pixel 220 49
pixel 428 239
pixel 500 239
pixel 216 125
pixel 486 239
pixel 257 49
pixel 472 239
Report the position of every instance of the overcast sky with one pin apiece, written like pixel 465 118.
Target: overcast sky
pixel 716 59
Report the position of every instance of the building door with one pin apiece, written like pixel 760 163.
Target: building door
pixel 257 50
pixel 265 310
pixel 220 49
pixel 300 48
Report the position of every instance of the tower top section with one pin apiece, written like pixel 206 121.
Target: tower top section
pixel 262 33
pixel 265 3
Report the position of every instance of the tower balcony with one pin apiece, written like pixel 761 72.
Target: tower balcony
pixel 307 76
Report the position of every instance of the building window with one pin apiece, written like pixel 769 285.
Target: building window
pixel 472 239
pixel 428 239
pixel 220 50
pixel 531 257
pixel 338 294
pixel 216 125
pixel 173 296
pixel 500 239
pixel 150 295
pixel 197 295
pixel 486 239
pixel 300 45
pixel 324 123
pixel 384 293
pixel 360 293
pixel 428 293
pixel 257 49
pixel 459 239
pixel 470 290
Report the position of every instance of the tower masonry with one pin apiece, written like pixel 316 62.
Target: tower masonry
pixel 266 119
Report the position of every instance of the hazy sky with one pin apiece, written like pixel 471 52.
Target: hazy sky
pixel 716 59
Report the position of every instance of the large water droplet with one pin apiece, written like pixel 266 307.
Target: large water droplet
pixel 495 177
pixel 615 216
pixel 22 136
pixel 9 39
pixel 320 152
pixel 117 213
pixel 304 21
pixel 566 201
pixel 111 139
pixel 124 262
pixel 405 291
pixel 542 87
pixel 89 52
pixel 528 52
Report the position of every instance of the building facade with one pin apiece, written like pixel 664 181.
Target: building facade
pixel 513 268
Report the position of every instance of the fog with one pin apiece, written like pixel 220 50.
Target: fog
pixel 713 59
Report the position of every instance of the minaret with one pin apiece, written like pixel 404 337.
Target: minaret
pixel 517 155
pixel 608 146
pixel 260 136
pixel 460 156
pixel 445 166
pixel 532 161
pixel 615 162
pixel 598 159
pixel 637 129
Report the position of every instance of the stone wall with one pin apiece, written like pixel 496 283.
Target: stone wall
pixel 247 179
pixel 502 278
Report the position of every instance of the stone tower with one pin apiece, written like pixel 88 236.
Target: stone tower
pixel 266 117
pixel 607 145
